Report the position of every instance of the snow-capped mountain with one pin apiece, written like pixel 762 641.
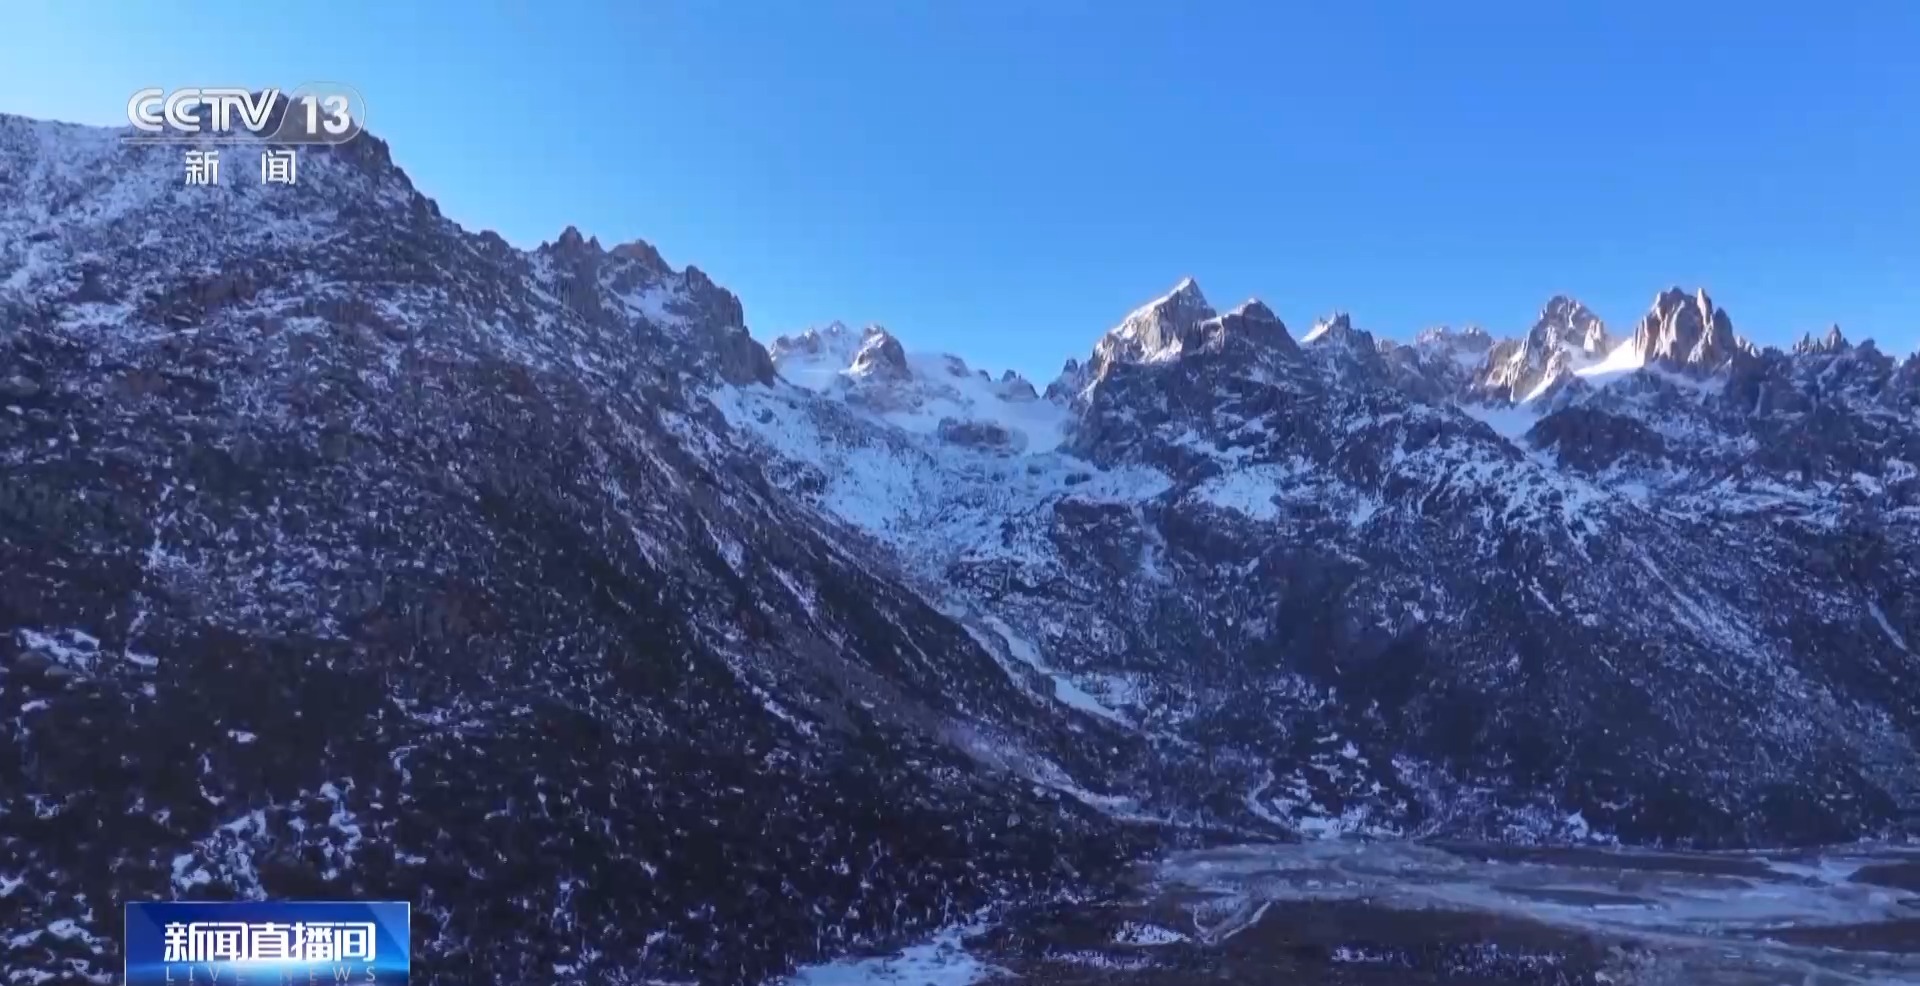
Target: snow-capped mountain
pixel 1567 338
pixel 1385 594
pixel 919 392
pixel 346 552
pixel 1177 324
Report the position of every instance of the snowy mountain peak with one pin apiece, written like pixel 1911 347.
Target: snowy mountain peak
pixel 1345 349
pixel 1160 330
pixel 817 357
pixel 1686 333
pixel 880 356
pixel 1566 339
pixel 574 246
pixel 831 346
pixel 1337 324
pixel 571 243
pixel 1255 309
pixel 633 289
pixel 642 253
pixel 1443 360
pixel 1566 323
pixel 935 394
pixel 1157 329
pixel 1251 323
pixel 1471 339
pixel 1015 387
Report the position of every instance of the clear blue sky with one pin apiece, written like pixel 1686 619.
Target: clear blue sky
pixel 1007 179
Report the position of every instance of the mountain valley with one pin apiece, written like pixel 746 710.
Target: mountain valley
pixel 345 552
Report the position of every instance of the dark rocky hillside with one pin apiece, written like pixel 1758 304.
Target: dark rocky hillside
pixel 346 553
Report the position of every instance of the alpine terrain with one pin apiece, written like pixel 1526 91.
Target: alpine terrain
pixel 348 553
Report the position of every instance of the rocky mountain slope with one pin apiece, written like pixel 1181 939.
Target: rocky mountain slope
pixel 345 552
pixel 1657 590
pixel 348 553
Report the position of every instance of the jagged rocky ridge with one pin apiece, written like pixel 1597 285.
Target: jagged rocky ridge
pixel 344 552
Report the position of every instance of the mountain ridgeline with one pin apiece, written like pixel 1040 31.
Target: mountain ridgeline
pixel 345 552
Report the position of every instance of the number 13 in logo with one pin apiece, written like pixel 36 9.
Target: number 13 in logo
pixel 323 113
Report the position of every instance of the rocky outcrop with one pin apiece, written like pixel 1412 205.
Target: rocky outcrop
pixel 1566 324
pixel 977 434
pixel 1252 325
pixel 1565 337
pixel 880 357
pixel 1162 329
pixel 1830 342
pixel 1686 333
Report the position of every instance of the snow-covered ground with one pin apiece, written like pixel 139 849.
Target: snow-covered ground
pixel 929 389
pixel 929 498
pixel 939 961
pixel 1624 359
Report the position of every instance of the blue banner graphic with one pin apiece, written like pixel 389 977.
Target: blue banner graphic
pixel 267 943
